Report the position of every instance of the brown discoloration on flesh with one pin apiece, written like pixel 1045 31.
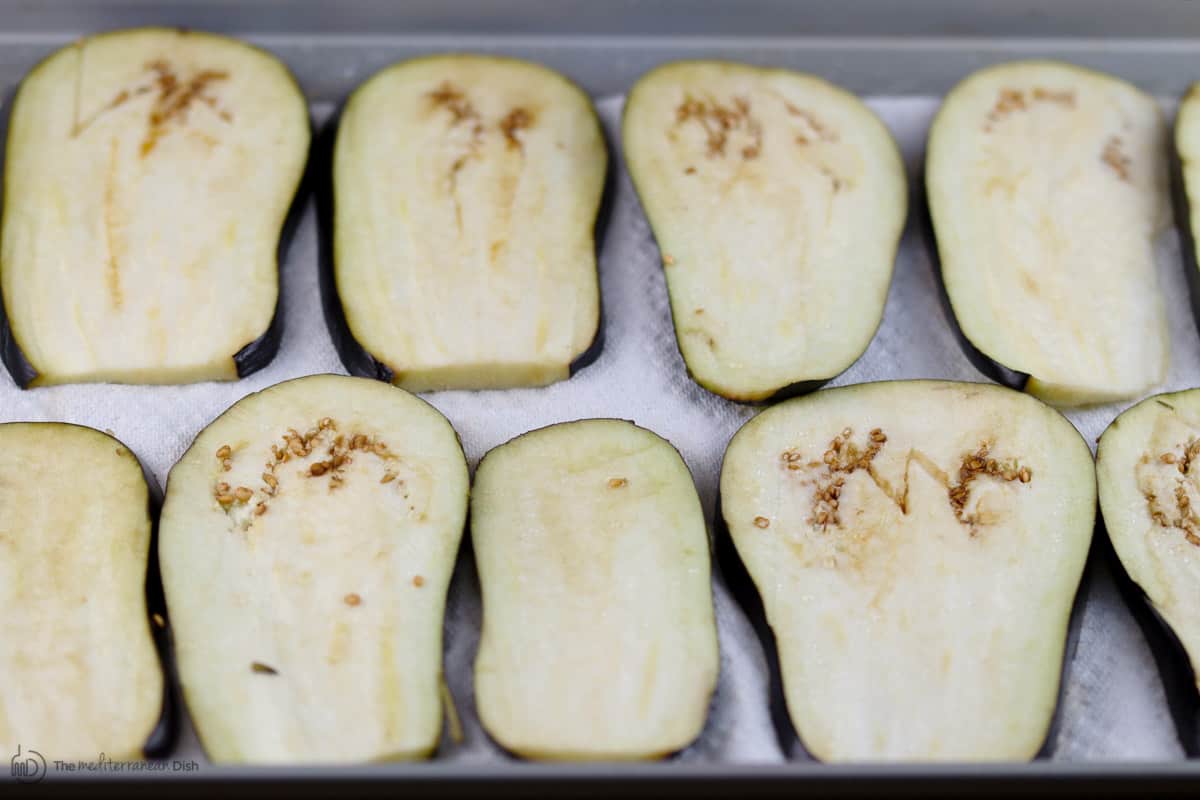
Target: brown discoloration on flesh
pixel 720 121
pixel 175 99
pixel 1010 101
pixel 517 120
pixel 1114 157
pixel 112 229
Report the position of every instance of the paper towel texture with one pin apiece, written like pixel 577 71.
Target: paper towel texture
pixel 1113 705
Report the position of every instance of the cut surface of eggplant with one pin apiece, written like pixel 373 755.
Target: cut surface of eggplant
pixel 1149 476
pixel 466 189
pixel 80 672
pixel 777 200
pixel 1047 185
pixel 598 636
pixel 306 545
pixel 917 547
pixel 1187 184
pixel 148 174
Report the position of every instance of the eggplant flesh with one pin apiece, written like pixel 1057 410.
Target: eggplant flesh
pixel 1149 493
pixel 1047 185
pixel 777 200
pixel 306 545
pixel 81 675
pixel 148 177
pixel 598 637
pixel 466 191
pixel 917 546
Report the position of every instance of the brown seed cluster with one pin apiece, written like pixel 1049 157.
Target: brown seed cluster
pixel 1183 517
pixel 719 121
pixel 1009 101
pixel 340 451
pixel 841 458
pixel 976 465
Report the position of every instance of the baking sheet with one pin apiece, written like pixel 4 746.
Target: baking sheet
pixel 1113 706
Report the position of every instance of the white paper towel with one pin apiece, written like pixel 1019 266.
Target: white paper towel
pixel 1113 706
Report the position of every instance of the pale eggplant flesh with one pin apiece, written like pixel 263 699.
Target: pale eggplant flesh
pixel 81 674
pixel 152 181
pixel 1185 185
pixel 306 546
pixel 1149 489
pixel 598 638
pixel 917 547
pixel 1047 187
pixel 777 201
pixel 460 220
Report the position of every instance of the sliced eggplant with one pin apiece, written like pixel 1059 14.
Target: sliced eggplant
pixel 598 636
pixel 148 178
pixel 917 546
pixel 1047 186
pixel 307 541
pixel 465 193
pixel 777 200
pixel 1185 187
pixel 1148 469
pixel 80 674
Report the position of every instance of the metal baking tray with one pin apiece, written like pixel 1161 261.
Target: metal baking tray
pixel 876 48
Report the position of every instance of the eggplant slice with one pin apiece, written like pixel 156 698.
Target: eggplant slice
pixel 1047 185
pixel 306 545
pixel 466 189
pixel 917 546
pixel 777 200
pixel 80 672
pixel 598 635
pixel 148 177
pixel 1149 478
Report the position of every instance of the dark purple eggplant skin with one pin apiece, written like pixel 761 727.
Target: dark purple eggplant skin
pixel 162 738
pixel 252 357
pixel 993 370
pixel 1170 656
pixel 355 357
pixel 745 594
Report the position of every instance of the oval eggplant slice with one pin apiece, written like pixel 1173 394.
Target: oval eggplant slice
pixel 598 636
pixel 148 175
pixel 917 546
pixel 1148 470
pixel 307 541
pixel 80 674
pixel 466 189
pixel 1047 186
pixel 777 200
